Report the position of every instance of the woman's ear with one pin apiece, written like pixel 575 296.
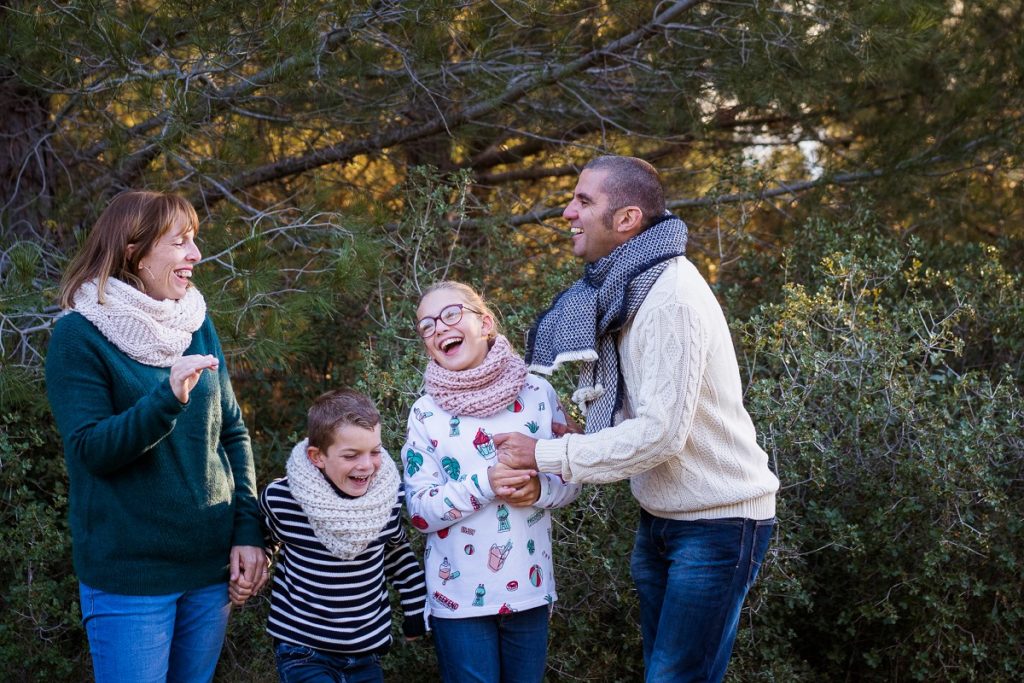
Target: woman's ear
pixel 487 326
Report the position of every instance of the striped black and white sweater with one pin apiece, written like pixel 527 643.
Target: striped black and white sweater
pixel 333 605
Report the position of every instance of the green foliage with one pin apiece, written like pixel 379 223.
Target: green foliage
pixel 901 462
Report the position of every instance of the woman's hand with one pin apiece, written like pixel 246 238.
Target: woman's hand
pixel 248 572
pixel 185 374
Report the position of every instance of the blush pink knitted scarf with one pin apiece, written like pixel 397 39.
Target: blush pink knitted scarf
pixel 481 391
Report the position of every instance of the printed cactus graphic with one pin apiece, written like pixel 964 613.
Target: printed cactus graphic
pixel 532 426
pixel 414 461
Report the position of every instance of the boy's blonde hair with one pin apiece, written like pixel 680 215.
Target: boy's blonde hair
pixel 335 409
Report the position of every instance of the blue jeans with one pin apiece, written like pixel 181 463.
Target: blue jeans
pixel 692 578
pixel 301 664
pixel 510 648
pixel 155 638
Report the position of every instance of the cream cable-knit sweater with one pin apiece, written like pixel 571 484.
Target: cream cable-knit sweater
pixel 683 437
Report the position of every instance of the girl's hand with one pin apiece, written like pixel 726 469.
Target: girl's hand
pixel 526 495
pixel 505 481
pixel 185 374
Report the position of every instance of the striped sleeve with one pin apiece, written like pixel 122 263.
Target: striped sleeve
pixel 405 574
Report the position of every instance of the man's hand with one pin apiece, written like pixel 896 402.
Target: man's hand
pixel 516 450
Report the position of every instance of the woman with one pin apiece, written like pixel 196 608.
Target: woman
pixel 162 495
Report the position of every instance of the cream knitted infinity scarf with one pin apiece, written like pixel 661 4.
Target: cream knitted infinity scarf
pixel 149 331
pixel 481 391
pixel 346 526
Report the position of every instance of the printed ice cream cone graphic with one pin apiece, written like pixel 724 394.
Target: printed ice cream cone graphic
pixel 484 445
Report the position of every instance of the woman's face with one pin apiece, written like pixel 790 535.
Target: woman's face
pixel 462 345
pixel 166 269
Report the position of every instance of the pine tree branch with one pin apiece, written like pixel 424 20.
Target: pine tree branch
pixel 401 133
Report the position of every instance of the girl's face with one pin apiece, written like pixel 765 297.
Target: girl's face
pixel 166 269
pixel 459 346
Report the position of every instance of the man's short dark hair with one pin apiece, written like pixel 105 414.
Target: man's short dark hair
pixel 338 408
pixel 631 182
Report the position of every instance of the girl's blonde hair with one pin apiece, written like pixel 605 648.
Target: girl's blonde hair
pixel 134 217
pixel 472 298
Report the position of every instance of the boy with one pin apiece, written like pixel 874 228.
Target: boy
pixel 336 520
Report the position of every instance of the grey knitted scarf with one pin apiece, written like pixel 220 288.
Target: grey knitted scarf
pixel 345 526
pixel 584 321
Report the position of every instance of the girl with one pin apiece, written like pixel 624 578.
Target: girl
pixel 488 556
pixel 162 496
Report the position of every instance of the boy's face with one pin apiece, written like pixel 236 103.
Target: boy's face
pixel 352 459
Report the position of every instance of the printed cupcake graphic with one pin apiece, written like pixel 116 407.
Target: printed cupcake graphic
pixel 484 445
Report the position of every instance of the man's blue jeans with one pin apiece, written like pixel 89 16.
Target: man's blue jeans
pixel 301 664
pixel 692 578
pixel 510 648
pixel 155 638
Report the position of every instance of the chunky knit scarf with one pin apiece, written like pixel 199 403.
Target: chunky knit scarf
pixel 481 391
pixel 346 526
pixel 149 331
pixel 584 321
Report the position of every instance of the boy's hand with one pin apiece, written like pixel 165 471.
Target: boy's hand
pixel 239 591
pixel 249 568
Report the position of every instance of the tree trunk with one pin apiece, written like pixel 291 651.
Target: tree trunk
pixel 26 186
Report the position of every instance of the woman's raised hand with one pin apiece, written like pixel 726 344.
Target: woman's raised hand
pixel 186 371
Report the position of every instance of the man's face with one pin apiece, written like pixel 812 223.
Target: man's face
pixel 591 218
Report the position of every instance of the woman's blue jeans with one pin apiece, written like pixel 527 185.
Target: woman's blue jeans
pixel 301 664
pixel 505 648
pixel 692 578
pixel 155 638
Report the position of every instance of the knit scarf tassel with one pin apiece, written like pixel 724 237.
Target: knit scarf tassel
pixel 481 391
pixel 149 331
pixel 345 526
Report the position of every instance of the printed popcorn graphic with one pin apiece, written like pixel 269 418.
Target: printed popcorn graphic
pixel 484 444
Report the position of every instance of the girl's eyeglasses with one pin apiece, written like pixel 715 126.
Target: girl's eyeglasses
pixel 450 315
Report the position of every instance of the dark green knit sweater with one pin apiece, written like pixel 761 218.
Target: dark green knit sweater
pixel 160 491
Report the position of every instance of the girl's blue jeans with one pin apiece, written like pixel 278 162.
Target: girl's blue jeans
pixel 510 648
pixel 155 638
pixel 692 578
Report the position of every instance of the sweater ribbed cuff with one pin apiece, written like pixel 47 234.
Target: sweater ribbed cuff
pixel 551 455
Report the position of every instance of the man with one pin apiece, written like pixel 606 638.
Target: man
pixel 661 390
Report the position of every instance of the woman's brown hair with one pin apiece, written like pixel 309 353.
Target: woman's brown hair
pixel 134 217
